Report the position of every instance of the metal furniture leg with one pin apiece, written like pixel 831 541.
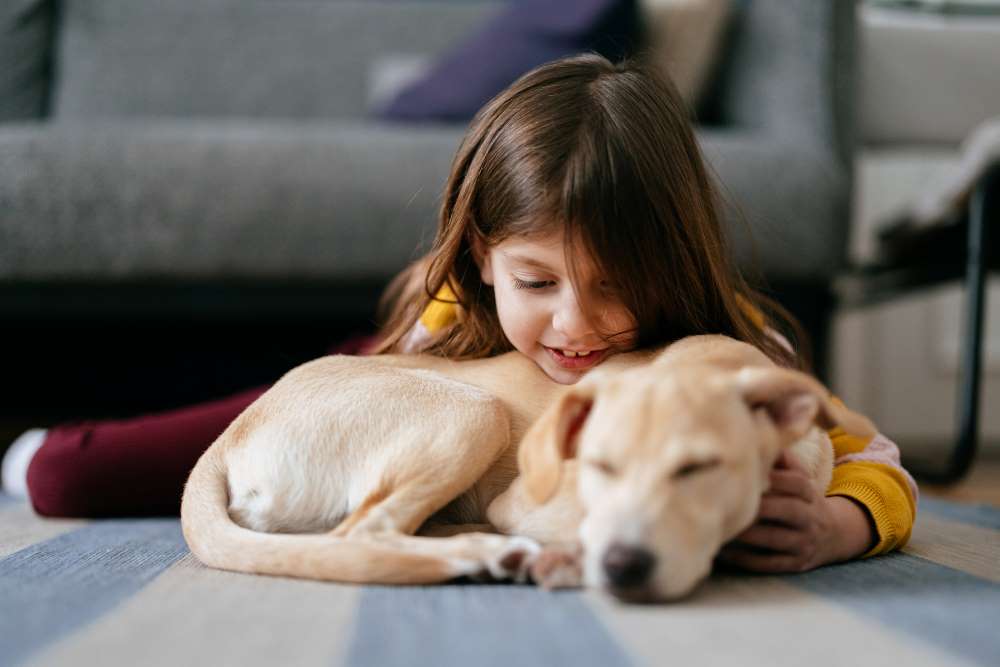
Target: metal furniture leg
pixel 984 209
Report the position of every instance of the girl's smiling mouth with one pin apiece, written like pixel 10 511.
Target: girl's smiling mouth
pixel 577 360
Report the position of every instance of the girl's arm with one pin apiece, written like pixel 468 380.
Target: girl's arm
pixel 868 509
pixel 868 472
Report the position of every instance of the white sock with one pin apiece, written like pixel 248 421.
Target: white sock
pixel 17 459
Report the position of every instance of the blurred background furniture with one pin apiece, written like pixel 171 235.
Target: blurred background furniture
pixel 916 258
pixel 187 186
pixel 917 346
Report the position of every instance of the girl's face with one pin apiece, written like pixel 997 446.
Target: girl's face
pixel 539 311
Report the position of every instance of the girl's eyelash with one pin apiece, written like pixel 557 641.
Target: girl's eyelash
pixel 530 284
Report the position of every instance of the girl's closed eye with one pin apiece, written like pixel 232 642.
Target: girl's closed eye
pixel 530 284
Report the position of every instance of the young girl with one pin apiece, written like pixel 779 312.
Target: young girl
pixel 578 221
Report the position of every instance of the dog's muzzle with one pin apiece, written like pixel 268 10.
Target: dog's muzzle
pixel 628 569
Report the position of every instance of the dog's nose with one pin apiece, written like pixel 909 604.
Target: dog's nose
pixel 627 567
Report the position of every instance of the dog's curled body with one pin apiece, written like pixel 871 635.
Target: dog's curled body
pixel 365 451
pixel 283 490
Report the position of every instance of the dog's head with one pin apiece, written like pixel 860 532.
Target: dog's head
pixel 672 464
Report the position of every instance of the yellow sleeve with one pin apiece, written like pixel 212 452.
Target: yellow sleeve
pixel 881 488
pixel 440 312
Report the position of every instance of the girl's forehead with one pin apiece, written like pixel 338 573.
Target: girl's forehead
pixel 550 246
pixel 544 252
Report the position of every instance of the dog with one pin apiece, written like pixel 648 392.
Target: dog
pixel 414 469
pixel 670 461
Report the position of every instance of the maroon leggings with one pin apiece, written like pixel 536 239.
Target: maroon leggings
pixel 133 467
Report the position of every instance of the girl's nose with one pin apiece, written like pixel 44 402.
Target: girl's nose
pixel 570 321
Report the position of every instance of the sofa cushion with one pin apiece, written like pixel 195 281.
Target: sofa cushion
pixel 787 70
pixel 334 201
pixel 241 58
pixel 790 224
pixel 525 35
pixel 25 27
pixel 191 201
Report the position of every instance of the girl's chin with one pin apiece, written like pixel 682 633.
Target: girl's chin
pixel 562 377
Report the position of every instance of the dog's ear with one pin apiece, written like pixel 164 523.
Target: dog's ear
pixel 795 401
pixel 553 439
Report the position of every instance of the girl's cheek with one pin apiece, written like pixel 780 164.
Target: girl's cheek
pixel 525 298
pixel 518 305
pixel 617 318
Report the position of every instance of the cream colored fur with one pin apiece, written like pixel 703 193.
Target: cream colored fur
pixel 400 469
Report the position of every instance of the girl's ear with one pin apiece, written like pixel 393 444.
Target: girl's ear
pixel 483 260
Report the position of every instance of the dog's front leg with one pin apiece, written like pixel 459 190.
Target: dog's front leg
pixel 555 523
pixel 558 566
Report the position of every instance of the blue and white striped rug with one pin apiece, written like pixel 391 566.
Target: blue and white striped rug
pixel 128 592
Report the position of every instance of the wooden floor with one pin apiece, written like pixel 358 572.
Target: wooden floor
pixel 982 485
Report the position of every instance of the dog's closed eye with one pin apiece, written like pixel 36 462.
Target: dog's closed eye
pixel 693 467
pixel 602 466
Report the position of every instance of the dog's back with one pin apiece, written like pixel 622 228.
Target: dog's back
pixel 311 449
pixel 373 446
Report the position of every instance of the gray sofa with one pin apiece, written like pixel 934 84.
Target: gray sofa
pixel 213 160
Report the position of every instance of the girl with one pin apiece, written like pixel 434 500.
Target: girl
pixel 578 221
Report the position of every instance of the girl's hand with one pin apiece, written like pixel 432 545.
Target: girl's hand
pixel 798 529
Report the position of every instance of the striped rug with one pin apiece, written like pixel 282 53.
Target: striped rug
pixel 128 592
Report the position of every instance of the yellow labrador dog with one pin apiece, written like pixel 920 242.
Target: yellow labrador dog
pixel 670 461
pixel 399 469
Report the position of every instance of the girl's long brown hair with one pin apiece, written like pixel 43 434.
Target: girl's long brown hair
pixel 606 153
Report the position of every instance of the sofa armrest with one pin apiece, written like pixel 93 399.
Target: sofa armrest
pixel 789 72
pixel 25 41
pixel 793 196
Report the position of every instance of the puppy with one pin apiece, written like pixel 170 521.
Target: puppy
pixel 351 457
pixel 670 461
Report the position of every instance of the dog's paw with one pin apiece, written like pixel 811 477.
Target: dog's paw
pixel 511 562
pixel 558 567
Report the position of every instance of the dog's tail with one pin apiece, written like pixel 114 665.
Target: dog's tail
pixel 219 542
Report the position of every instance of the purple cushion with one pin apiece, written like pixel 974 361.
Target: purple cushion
pixel 525 35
